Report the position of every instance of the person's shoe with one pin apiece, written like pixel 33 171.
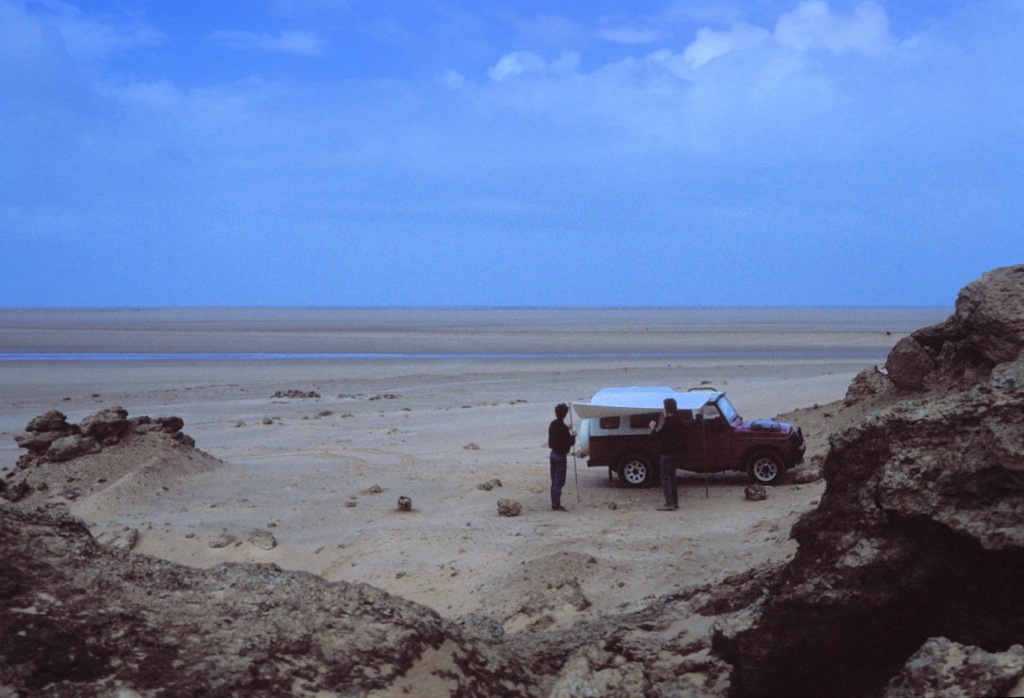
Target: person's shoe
pixel 667 508
pixel 559 509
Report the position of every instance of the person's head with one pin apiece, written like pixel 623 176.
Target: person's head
pixel 670 405
pixel 561 410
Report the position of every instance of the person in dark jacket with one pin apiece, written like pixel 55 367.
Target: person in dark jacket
pixel 560 440
pixel 672 444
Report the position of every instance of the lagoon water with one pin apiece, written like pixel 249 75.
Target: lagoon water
pixel 111 334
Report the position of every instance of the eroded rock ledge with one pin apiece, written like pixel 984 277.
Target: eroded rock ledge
pixel 919 537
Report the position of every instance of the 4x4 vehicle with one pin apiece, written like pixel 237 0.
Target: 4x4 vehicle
pixel 614 432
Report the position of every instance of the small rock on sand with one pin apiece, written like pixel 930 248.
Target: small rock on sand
pixel 262 539
pixel 509 507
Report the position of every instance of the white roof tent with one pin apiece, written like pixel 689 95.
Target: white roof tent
pixel 611 402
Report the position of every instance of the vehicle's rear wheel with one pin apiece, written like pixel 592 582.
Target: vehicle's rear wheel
pixel 765 467
pixel 637 470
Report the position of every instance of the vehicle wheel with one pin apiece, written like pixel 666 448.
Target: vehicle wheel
pixel 765 467
pixel 636 470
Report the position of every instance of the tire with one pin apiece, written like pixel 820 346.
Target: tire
pixel 765 467
pixel 637 470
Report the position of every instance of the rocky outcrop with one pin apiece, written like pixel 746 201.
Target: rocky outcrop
pixel 78 618
pixel 919 536
pixel 66 461
pixel 986 330
pixel 49 438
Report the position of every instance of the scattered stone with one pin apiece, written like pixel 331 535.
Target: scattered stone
pixel 807 475
pixel 471 447
pixel 404 504
pixel 240 423
pixel 268 420
pixel 124 538
pixel 375 489
pixel 489 485
pixel 756 492
pixel 263 539
pixel 509 507
pixel 296 394
pixel 223 540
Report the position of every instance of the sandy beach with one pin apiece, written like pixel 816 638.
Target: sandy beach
pixel 431 404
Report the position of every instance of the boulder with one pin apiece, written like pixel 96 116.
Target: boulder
pixel 908 364
pixel 106 426
pixel 51 421
pixel 68 447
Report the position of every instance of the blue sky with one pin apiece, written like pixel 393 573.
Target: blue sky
pixel 394 152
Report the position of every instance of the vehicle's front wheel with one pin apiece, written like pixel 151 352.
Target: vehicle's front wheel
pixel 637 470
pixel 765 467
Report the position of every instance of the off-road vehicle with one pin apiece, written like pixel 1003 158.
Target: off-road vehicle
pixel 614 432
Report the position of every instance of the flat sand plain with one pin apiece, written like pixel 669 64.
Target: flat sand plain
pixel 429 404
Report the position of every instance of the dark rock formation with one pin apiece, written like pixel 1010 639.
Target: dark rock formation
pixel 50 439
pixel 65 461
pixel 920 531
pixel 78 619
pixel 986 330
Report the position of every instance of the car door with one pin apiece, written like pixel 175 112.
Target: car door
pixel 711 442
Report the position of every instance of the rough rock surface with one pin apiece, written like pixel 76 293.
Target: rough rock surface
pixel 920 530
pixel 50 439
pixel 107 451
pixel 509 507
pixel 952 670
pixel 986 330
pixel 80 619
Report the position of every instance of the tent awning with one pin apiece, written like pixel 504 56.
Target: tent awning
pixel 611 402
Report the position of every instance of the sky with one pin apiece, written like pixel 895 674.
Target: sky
pixel 518 153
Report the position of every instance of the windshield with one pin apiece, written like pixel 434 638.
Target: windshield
pixel 727 410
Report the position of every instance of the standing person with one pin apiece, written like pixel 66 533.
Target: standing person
pixel 672 445
pixel 560 441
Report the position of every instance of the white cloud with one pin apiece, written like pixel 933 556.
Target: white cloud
pixel 814 25
pixel 515 63
pixel 519 62
pixel 453 79
pixel 302 43
pixel 711 44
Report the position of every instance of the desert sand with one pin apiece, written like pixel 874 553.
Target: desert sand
pixel 430 404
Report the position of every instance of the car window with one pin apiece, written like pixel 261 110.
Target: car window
pixel 709 411
pixel 728 411
pixel 609 422
pixel 642 421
